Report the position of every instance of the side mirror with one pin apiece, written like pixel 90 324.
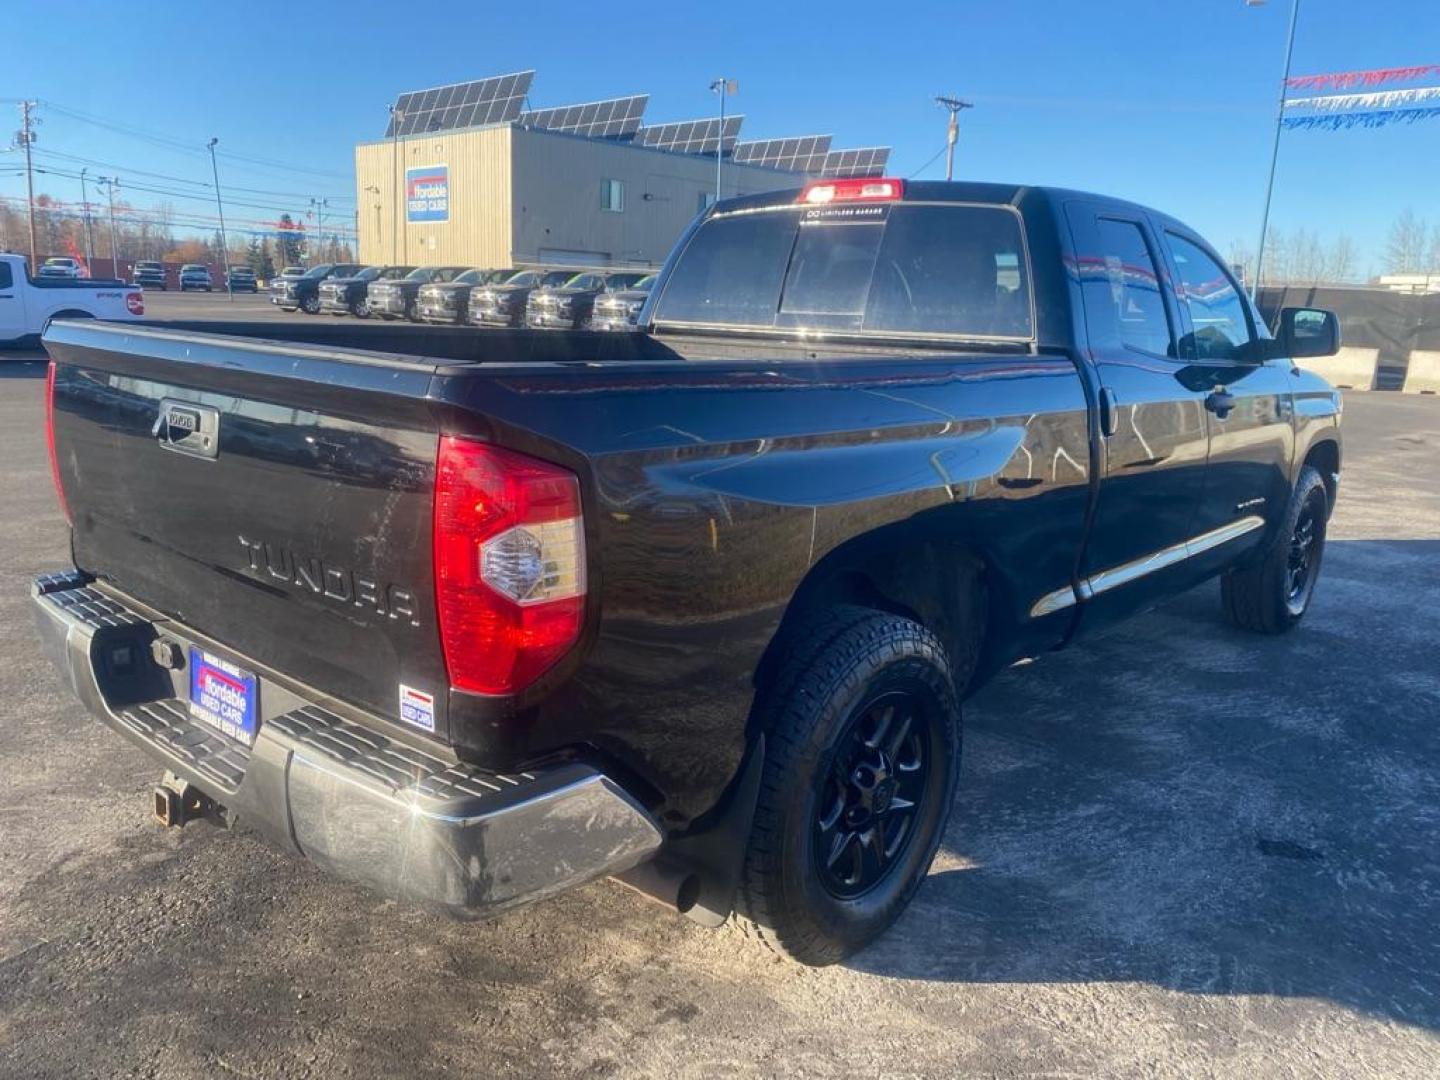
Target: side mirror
pixel 1305 332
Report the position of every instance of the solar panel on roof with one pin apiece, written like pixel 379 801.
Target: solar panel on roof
pixel 618 118
pixel 867 161
pixel 496 100
pixel 805 154
pixel 692 136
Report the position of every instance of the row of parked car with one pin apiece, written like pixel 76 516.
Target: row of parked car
pixel 150 274
pixel 460 295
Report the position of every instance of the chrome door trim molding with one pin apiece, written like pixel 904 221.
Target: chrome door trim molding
pixel 1135 569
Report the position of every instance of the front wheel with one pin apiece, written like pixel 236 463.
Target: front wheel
pixel 863 749
pixel 360 309
pixel 1272 595
pixel 310 305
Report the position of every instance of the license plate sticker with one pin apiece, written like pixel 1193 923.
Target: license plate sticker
pixel 222 695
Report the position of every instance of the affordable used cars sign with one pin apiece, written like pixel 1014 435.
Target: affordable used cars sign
pixel 427 193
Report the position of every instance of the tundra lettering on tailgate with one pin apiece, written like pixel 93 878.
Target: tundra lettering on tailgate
pixel 333 582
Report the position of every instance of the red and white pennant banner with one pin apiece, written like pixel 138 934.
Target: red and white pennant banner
pixel 1348 80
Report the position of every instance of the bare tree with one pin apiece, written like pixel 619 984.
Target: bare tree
pixel 1307 258
pixel 1342 259
pixel 1405 250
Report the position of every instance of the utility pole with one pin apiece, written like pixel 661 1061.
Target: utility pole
pixel 110 182
pixel 396 119
pixel 722 87
pixel 1275 146
pixel 952 130
pixel 85 212
pixel 317 207
pixel 224 241
pixel 26 137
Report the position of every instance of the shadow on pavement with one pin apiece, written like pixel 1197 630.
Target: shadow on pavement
pixel 1210 811
pixel 23 363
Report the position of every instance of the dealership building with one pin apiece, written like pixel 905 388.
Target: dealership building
pixel 470 175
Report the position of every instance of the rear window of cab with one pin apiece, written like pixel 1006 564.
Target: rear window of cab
pixel 897 269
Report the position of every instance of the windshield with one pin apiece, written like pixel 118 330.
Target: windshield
pixel 557 277
pixel 646 283
pixel 147 266
pixel 524 277
pixel 421 273
pixel 395 273
pixel 892 269
pixel 470 277
pixel 583 281
pixel 370 273
pixel 318 271
pixel 59 262
pixel 621 282
pixel 192 269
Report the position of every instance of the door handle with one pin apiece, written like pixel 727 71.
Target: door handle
pixel 1107 412
pixel 1220 402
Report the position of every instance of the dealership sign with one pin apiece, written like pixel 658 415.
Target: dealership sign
pixel 427 193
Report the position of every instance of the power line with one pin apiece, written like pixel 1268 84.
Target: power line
pixel 932 160
pixel 196 147
pixel 186 195
pixel 182 179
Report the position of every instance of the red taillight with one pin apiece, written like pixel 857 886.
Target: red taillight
pixel 509 565
pixel 50 438
pixel 135 303
pixel 855 189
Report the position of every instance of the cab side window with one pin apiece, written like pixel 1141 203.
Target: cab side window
pixel 1219 328
pixel 1122 287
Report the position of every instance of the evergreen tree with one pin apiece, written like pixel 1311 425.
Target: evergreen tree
pixel 292 242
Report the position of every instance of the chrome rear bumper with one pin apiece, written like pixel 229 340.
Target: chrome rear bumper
pixel 410 823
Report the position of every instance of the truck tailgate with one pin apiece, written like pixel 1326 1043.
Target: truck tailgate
pixel 276 498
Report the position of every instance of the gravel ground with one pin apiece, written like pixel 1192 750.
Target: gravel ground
pixel 1177 849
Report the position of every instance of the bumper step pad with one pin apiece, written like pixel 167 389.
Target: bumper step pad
pixel 412 824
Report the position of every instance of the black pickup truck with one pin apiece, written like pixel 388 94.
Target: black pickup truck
pixel 303 292
pixel 351 295
pixel 476 618
pixel 570 305
pixel 397 299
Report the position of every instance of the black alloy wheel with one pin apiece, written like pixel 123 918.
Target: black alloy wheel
pixel 1302 562
pixel 872 794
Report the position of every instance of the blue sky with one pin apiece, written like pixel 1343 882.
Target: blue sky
pixel 1168 103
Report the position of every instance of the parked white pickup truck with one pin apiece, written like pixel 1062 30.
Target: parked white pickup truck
pixel 28 304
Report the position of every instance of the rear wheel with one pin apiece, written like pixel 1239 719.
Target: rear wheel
pixel 862 752
pixel 1273 594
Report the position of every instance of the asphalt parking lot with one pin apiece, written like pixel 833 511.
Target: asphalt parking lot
pixel 1177 849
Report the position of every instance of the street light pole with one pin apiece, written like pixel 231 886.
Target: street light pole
pixel 721 86
pixel 224 242
pixel 952 130
pixel 1275 145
